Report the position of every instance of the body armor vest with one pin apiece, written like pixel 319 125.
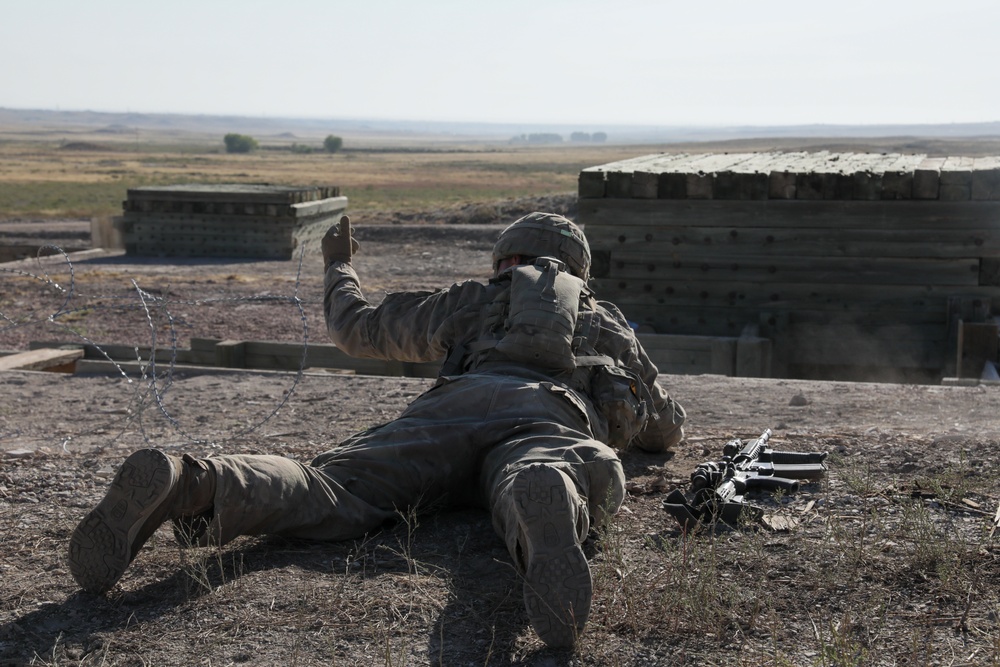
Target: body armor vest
pixel 546 318
pixel 542 308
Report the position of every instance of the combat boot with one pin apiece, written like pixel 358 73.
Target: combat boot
pixel 150 488
pixel 557 584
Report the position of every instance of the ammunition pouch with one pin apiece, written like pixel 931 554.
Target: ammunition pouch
pixel 617 394
pixel 544 304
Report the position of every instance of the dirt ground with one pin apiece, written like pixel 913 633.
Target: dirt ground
pixel 892 559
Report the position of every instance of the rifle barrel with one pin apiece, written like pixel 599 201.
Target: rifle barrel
pixel 799 470
pixel 792 457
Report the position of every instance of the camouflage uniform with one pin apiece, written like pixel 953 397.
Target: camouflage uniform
pixel 461 442
pixel 525 442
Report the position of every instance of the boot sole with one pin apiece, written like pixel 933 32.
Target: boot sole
pixel 557 584
pixel 101 546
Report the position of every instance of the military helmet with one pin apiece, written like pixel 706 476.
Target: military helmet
pixel 545 235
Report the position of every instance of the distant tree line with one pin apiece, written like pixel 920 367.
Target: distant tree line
pixel 552 138
pixel 242 143
pixel 537 138
pixel 596 137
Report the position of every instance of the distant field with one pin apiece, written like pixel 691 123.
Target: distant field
pixel 65 172
pixel 52 177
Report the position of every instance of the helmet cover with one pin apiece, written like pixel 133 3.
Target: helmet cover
pixel 545 235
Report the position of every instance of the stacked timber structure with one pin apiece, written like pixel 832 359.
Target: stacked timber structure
pixel 235 220
pixel 811 265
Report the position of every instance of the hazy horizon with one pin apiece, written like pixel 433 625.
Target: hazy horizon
pixel 568 62
pixel 280 127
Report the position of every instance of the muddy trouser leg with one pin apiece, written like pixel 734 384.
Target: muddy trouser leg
pixel 274 495
pixel 546 481
pixel 428 456
pixel 592 468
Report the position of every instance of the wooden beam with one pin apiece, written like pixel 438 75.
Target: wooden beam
pixel 747 179
pixel 684 239
pixel 781 183
pixel 753 357
pixel 897 181
pixel 239 193
pixel 591 183
pixel 645 175
pixel 42 359
pixel 989 272
pixel 231 354
pixel 701 180
pixel 911 214
pixel 332 206
pixel 977 344
pixel 927 178
pixel 956 179
pixel 617 177
pixel 986 178
pixel 729 321
pixel 868 179
pixel 791 270
pixel 828 176
pixel 672 181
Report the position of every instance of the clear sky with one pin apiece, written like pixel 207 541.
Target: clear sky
pixel 649 62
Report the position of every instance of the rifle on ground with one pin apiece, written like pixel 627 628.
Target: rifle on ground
pixel 719 487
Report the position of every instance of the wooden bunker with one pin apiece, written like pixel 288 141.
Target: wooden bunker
pixel 234 220
pixel 856 266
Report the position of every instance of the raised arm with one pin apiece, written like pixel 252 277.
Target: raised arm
pixel 406 326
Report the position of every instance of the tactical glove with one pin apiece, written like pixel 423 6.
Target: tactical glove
pixel 338 245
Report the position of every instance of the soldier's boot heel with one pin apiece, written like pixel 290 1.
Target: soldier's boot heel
pixel 150 488
pixel 108 538
pixel 557 584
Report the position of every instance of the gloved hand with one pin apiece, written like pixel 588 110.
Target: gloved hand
pixel 338 245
